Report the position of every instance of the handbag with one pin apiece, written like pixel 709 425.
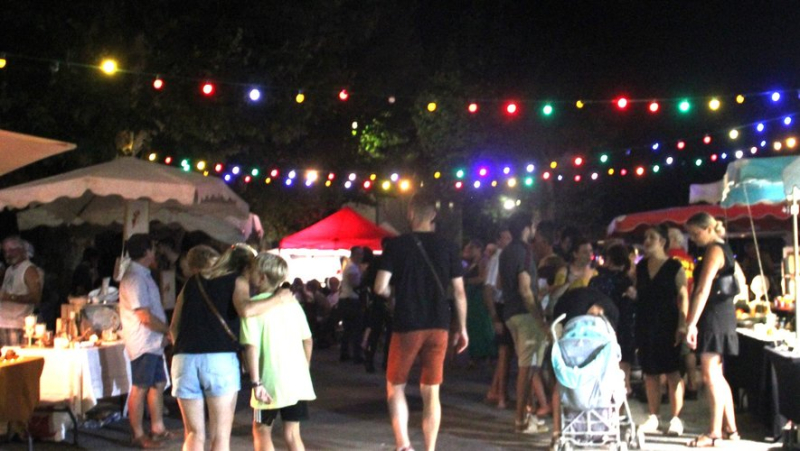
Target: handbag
pixel 726 285
pixel 239 348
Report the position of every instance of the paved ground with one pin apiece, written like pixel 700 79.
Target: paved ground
pixel 350 414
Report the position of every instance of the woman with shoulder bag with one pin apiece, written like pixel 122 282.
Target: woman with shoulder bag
pixel 711 324
pixel 205 330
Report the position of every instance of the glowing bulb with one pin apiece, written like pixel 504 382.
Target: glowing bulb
pixel 343 95
pixel 509 204
pixel 373 177
pixel 654 146
pixel 739 154
pixel 201 165
pixel 494 183
pixel 405 185
pixel 300 97
pixel 553 164
pixel 714 104
pixel 594 176
pixel 472 108
pixel 547 110
pixel 654 106
pixel 528 181
pixel 791 142
pixel 623 172
pixel 227 177
pixel 775 96
pixel 391 100
pixel 255 95
pixel 611 171
pixel 331 176
pixel 348 184
pixel 460 173
pixel 714 157
pixel 546 175
pixel 328 183
pixel 670 160
pixel 777 145
pixel 109 66
pixel 733 134
pixel 787 120
pixel 681 145
pixel 622 103
pixel 579 104
pixel 432 107
pixel 578 161
pixel 477 184
pixel 218 167
pixel 707 139
pixel 292 174
pixel 288 182
pixel 740 99
pixel 640 171
pixel 207 89
pixel 394 177
pixel 158 84
pixel 351 177
pixel 511 108
pixel 512 182
pixel 168 160
pixel 506 170
pixel 656 168
pixel 684 106
pixel 386 185
pixel 482 172
pixel 604 158
pixel 437 174
pixel 760 127
pixel 268 180
pixel 530 168
pixel 367 184
pixel 312 176
pixel 698 162
pixel 459 185
pixel 235 170
pixel 247 179
pixel 152 156
pixel 274 173
pixel 354 125
pixel 3 63
pixel 577 178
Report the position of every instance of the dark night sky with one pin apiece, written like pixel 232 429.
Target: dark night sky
pixel 566 50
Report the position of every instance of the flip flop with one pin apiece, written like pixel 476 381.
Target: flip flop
pixel 704 441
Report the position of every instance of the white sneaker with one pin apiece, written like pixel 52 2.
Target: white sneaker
pixel 675 426
pixel 530 426
pixel 650 425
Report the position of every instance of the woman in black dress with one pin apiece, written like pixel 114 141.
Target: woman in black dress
pixel 661 306
pixel 711 325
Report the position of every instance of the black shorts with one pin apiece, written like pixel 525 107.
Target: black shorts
pixel 297 412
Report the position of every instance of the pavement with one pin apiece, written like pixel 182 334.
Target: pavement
pixel 350 414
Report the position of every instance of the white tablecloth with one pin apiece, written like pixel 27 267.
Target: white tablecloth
pixel 81 376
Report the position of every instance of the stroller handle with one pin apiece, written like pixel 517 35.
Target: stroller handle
pixel 555 323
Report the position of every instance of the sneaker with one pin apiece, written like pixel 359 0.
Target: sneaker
pixel 650 425
pixel 675 426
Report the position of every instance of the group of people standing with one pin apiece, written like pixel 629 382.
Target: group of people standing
pixel 667 312
pixel 230 303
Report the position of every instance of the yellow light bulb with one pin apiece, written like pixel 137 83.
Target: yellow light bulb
pixel 611 171
pixel 300 98
pixel 373 177
pixel 437 174
pixel 791 142
pixel 553 164
pixel 268 180
pixel 432 107
pixel 405 185
pixel 512 182
pixel 201 165
pixel 386 185
pixel 740 99
pixel 109 66
pixel 3 63
pixel 327 183
pixel 579 104
pixel 714 104
pixel 152 157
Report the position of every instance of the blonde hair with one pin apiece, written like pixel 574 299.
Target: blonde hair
pixel 237 260
pixel 273 267
pixel 704 220
pixel 201 257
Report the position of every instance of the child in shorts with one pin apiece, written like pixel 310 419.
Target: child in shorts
pixel 278 348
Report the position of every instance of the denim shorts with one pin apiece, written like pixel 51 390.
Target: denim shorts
pixel 195 376
pixel 148 370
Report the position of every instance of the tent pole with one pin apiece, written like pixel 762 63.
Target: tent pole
pixel 795 209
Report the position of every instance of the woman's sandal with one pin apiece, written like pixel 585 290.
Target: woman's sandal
pixel 732 435
pixel 704 441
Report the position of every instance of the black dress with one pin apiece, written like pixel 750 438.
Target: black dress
pixel 717 324
pixel 657 318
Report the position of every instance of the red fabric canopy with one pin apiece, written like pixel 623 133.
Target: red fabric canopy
pixel 737 218
pixel 341 230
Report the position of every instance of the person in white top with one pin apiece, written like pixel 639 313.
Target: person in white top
pixel 350 309
pixel 20 293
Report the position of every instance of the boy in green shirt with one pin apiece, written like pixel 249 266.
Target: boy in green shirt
pixel 278 347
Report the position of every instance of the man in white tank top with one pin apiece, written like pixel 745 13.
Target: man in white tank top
pixel 21 291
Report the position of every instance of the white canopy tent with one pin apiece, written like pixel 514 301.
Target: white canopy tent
pixel 100 194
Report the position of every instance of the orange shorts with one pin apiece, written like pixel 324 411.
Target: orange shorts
pixel 429 344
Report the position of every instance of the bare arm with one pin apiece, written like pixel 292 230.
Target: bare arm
pixel 683 305
pixel 308 347
pixel 247 308
pixel 713 260
pixel 524 281
pixel 381 287
pixel 461 337
pixel 253 367
pixel 34 284
pixel 175 325
pixel 151 322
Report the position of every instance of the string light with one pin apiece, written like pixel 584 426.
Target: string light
pixel 653 107
pixel 713 104
pixel 787 120
pixel 547 110
pixel 579 104
pixel 740 99
pixel 472 108
pixel 776 96
pixel 152 156
pixel 3 62
pixel 431 106
pixel 760 127
pixel 254 95
pixel 684 106
pixel 300 97
pixel 109 66
pixel 733 134
pixel 622 103
pixel 158 84
pixel 707 139
pixel 681 145
pixel 207 89
pixel 344 95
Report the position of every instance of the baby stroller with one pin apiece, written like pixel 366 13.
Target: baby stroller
pixel 591 387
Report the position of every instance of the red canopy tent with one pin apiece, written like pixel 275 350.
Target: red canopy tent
pixel 341 230
pixel 737 218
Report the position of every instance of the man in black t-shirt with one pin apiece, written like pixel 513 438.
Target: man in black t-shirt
pixel 420 265
pixel 525 320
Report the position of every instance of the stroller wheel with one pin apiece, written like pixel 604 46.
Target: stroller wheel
pixel 639 441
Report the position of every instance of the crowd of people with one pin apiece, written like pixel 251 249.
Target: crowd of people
pixel 237 317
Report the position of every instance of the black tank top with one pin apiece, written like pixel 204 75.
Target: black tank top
pixel 200 331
